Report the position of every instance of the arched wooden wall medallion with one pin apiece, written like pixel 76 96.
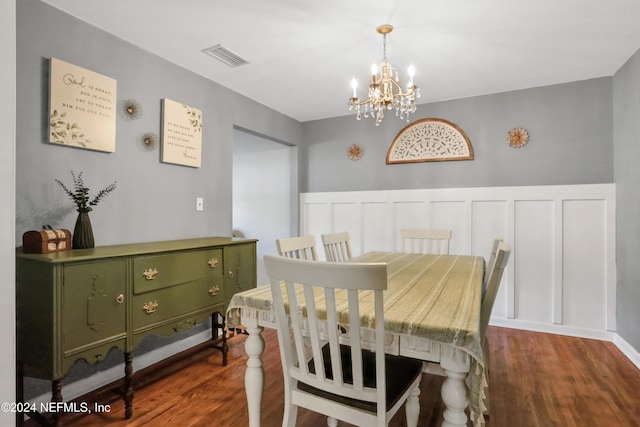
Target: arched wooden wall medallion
pixel 430 140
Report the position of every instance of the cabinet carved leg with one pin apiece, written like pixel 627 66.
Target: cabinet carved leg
pixel 217 324
pixel 56 396
pixel 128 387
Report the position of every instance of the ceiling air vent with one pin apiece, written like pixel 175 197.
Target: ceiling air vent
pixel 223 54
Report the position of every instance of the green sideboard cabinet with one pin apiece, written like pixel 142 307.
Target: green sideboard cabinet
pixel 79 304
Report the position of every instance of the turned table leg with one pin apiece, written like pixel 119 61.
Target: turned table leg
pixel 455 393
pixel 254 375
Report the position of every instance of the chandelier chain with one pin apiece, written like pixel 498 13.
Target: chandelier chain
pixel 384 48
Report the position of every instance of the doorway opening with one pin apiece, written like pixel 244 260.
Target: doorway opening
pixel 265 192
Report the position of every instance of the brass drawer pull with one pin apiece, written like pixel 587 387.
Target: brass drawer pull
pixel 150 273
pixel 150 306
pixel 213 262
pixel 230 274
pixel 213 291
pixel 120 299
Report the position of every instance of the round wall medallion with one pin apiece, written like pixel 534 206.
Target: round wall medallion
pixel 354 152
pixel 517 137
pixel 131 109
pixel 148 141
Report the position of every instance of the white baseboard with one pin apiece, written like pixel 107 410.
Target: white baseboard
pixel 632 354
pixel 100 379
pixel 549 328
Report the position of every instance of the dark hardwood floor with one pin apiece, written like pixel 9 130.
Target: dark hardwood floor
pixel 536 380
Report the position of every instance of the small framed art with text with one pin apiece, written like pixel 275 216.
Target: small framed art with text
pixel 181 134
pixel 82 108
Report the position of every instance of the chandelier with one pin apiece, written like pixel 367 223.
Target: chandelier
pixel 385 91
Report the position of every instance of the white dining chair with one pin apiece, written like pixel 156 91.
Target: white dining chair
pixel 503 251
pixel 343 382
pixel 303 247
pixel 489 264
pixel 336 246
pixel 425 241
pixel 493 277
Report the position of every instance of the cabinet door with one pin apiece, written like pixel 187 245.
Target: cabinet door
pixel 93 304
pixel 240 268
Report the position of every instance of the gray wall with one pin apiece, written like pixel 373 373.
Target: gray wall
pixel 626 114
pixel 7 207
pixel 570 129
pixel 153 200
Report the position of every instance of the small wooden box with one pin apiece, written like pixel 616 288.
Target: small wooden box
pixel 45 241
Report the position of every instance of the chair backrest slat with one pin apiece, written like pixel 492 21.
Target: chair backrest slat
pixel 303 247
pixel 336 246
pixel 297 324
pixel 426 241
pixel 314 331
pixel 355 338
pixel 334 343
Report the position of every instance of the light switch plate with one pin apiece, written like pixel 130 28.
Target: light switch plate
pixel 199 204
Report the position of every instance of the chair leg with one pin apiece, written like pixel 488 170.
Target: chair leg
pixel 412 406
pixel 487 362
pixel 290 415
pixel 332 422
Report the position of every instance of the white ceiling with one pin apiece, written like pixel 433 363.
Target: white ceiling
pixel 303 54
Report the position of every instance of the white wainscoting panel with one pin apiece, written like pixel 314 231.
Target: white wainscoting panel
pixel 375 216
pixel 534 294
pixel 489 220
pixel 584 263
pixel 452 215
pixel 561 275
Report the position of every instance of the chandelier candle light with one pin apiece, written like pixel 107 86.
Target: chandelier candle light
pixel 385 91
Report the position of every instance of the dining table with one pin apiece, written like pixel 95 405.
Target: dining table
pixel 431 313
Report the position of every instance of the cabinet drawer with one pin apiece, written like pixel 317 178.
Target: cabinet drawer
pixel 162 271
pixel 170 302
pixel 93 304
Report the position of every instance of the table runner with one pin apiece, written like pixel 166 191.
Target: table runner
pixel 436 297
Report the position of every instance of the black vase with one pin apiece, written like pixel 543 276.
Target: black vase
pixel 83 233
